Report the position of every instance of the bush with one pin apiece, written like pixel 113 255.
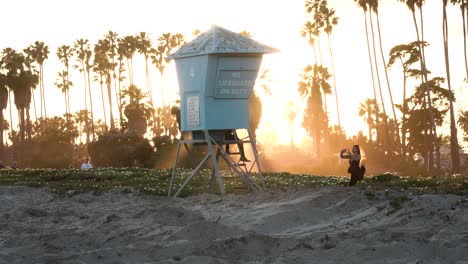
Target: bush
pixel 49 154
pixel 116 149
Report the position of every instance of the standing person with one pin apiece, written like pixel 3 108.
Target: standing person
pixel 86 165
pixel 232 135
pixel 357 172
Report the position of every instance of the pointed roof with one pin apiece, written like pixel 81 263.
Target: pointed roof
pixel 220 40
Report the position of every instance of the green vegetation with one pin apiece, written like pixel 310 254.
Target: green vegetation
pixel 156 182
pixel 396 202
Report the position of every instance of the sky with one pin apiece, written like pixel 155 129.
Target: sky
pixel 275 23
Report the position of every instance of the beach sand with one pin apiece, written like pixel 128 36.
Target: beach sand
pixel 294 225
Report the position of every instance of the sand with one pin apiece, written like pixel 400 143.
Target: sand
pixel 295 225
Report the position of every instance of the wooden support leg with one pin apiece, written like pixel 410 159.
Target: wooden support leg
pixel 174 169
pixel 193 174
pixel 215 163
pixel 255 152
pixel 213 172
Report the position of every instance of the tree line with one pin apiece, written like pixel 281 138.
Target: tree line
pixel 422 112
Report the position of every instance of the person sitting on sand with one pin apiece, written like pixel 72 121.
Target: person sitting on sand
pixel 86 165
pixel 357 173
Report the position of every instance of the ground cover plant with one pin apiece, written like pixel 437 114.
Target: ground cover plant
pixel 156 182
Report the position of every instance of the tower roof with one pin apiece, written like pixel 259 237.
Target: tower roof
pixel 218 40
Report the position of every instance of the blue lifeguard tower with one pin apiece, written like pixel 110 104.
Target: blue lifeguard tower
pixel 216 73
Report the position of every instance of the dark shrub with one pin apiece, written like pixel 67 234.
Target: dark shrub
pixel 116 149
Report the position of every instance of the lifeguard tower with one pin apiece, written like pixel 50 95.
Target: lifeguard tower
pixel 216 73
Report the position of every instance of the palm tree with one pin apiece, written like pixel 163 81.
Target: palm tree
pixel 99 67
pixel 464 13
pixel 20 79
pixel 64 53
pixel 371 4
pixel 367 109
pixel 127 46
pixel 314 81
pixel 331 20
pixel 166 42
pixel 29 64
pixel 111 53
pixel 453 126
pixel 363 5
pixel 375 8
pixel 3 106
pixel 137 111
pixel 144 48
pixel 39 53
pixel 103 66
pixel 81 47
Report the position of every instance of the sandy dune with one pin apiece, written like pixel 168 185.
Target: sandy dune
pixel 297 225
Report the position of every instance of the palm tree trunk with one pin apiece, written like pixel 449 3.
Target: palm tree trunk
pixel 43 92
pixel 2 146
pixel 103 101
pixel 22 145
pixel 11 112
pixel 109 94
pixel 465 25
pixel 119 102
pixel 386 78
pixel 34 103
pixel 431 112
pixel 403 118
pixel 377 125
pixel 453 128
pixel 90 104
pixel 387 139
pixel 433 131
pixel 28 124
pixel 86 103
pixel 334 81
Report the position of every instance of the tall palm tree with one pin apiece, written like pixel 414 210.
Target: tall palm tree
pixel 99 69
pixel 128 46
pixel 20 79
pixel 144 48
pixel 464 13
pixel 331 20
pixel 111 53
pixel 367 109
pixel 29 66
pixel 314 81
pixel 39 52
pixel 453 126
pixel 81 49
pixel 102 66
pixel 371 4
pixel 375 8
pixel 166 42
pixel 3 106
pixel 64 53
pixel 363 4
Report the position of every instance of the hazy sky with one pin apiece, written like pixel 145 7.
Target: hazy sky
pixel 275 23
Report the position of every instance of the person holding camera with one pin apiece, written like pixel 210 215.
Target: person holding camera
pixel 357 172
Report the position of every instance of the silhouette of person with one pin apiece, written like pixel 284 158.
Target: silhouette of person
pixel 232 135
pixel 354 157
